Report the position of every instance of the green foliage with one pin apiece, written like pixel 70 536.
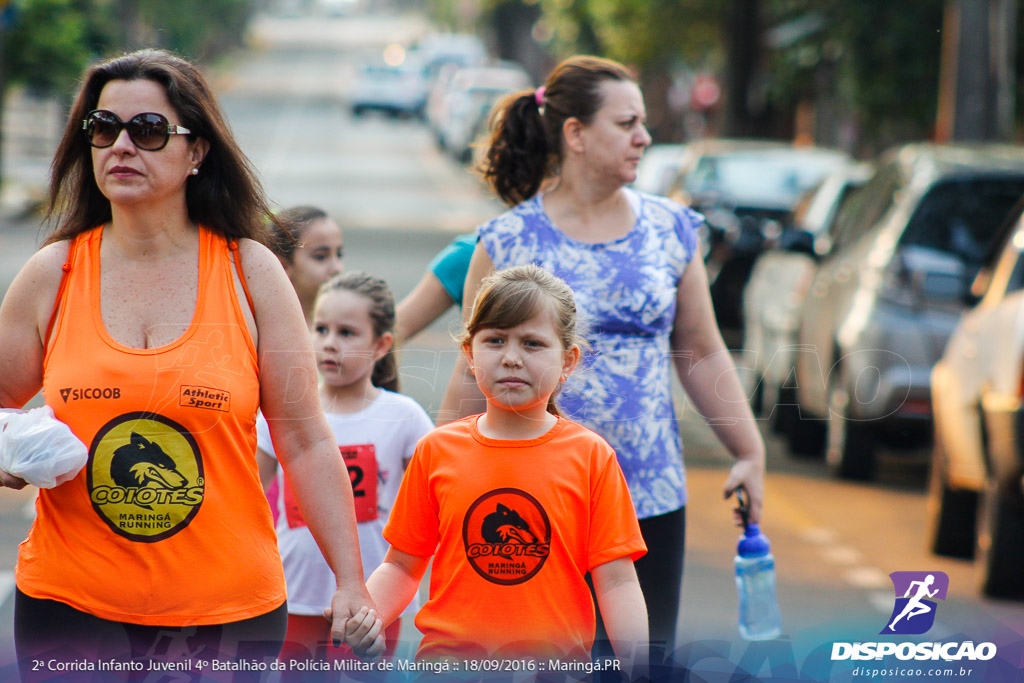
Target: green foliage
pixel 52 41
pixel 48 46
pixel 892 52
pixel 878 58
pixel 194 28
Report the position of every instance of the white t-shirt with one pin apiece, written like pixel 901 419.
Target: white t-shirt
pixel 391 425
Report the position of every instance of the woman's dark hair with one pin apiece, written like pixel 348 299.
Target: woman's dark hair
pixel 526 129
pixel 226 195
pixel 382 315
pixel 286 234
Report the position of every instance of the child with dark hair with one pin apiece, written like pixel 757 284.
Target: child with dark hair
pixel 376 430
pixel 309 245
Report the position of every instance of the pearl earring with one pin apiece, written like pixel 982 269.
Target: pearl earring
pixel 195 171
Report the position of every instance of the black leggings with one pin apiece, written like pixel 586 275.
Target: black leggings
pixel 53 639
pixel 660 572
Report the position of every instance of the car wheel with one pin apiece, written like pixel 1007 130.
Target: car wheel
pixel 783 410
pixel 849 444
pixel 806 435
pixel 1000 550
pixel 952 513
pixel 757 397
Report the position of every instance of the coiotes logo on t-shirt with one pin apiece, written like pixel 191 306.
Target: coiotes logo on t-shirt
pixel 145 476
pixel 507 536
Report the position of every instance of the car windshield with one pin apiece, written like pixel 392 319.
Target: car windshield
pixel 766 180
pixel 962 217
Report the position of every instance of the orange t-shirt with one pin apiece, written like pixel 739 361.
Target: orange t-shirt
pixel 515 525
pixel 167 523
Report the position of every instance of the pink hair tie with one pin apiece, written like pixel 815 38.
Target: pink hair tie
pixel 539 96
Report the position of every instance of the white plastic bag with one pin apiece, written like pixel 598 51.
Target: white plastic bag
pixel 39 448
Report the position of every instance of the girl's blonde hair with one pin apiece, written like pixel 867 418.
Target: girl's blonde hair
pixel 382 315
pixel 511 296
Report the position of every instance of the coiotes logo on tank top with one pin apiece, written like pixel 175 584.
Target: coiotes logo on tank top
pixel 145 476
pixel 507 535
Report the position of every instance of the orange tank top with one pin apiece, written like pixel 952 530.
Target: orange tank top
pixel 167 523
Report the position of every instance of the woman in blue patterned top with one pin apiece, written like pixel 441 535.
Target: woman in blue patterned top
pixel 562 157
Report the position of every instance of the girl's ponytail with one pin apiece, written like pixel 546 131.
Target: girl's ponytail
pixel 385 372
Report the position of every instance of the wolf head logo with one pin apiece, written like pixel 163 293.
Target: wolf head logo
pixel 141 463
pixel 504 525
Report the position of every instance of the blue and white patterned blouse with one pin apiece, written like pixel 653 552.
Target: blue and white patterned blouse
pixel 626 296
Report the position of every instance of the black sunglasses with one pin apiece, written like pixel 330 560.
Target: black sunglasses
pixel 149 131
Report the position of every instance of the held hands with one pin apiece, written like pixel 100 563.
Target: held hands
pixel 354 621
pixel 364 633
pixel 749 473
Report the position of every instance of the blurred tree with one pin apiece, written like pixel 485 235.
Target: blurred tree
pixel 869 67
pixel 48 45
pixel 196 29
pixel 872 65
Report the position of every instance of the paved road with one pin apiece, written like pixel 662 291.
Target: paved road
pixel 399 201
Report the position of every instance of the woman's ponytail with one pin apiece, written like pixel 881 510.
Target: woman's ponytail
pixel 526 128
pixel 519 150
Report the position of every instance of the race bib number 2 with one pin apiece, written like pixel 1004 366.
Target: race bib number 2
pixel 361 461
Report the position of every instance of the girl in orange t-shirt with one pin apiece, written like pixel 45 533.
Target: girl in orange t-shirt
pixel 515 505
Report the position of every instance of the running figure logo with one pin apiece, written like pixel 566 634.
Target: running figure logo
pixel 914 613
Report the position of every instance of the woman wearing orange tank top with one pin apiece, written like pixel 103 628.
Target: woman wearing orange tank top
pixel 156 323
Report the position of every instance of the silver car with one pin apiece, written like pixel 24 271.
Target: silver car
pixel 880 309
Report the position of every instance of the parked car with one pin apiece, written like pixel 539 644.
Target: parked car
pixel 978 453
pixel 778 284
pixel 398 90
pixel 459 49
pixel 881 307
pixel 747 190
pixel 471 96
pixel 658 168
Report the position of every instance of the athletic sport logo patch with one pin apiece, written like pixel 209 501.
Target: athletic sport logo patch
pixel 507 535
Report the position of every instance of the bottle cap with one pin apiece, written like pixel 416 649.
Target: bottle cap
pixel 753 543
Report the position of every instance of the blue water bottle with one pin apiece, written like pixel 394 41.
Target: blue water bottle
pixel 759 617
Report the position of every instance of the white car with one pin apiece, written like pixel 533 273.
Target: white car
pixel 399 90
pixel 472 94
pixel 777 288
pixel 978 454
pixel 658 168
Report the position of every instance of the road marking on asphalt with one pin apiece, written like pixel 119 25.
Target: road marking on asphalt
pixel 842 554
pixel 881 600
pixel 854 573
pixel 820 536
pixel 867 577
